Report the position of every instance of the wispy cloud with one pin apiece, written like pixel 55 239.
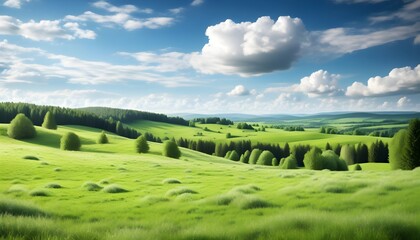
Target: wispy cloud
pixel 14 3
pixel 409 12
pixel 197 2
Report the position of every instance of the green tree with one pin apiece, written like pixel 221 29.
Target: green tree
pixel 328 146
pixel 265 158
pixel 119 128
pixel 141 144
pixel 70 142
pixel 21 127
pixel 275 162
pixel 49 121
pixel 312 159
pixel 170 149
pixel 396 151
pixel 408 147
pixel 357 167
pixel 348 154
pixel 234 156
pixel 228 135
pixel 289 163
pixel 102 139
pixel 286 150
pixel 246 155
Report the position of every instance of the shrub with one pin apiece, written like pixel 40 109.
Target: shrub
pixel 255 154
pixel 19 208
pixel 250 202
pixel 171 181
pixel 227 155
pixel 29 157
pixel 228 135
pixel 330 160
pixel 53 185
pixel 170 149
pixel 102 139
pixel 405 147
pixel 245 189
pixel 141 144
pixel 289 163
pixel 342 165
pixel 234 156
pixel 91 186
pixel 114 188
pixel 316 160
pixel 348 154
pixel 357 167
pixel 265 158
pixel 275 162
pixel 39 193
pixel 179 191
pixel 21 127
pixel 49 121
pixel 312 159
pixel 246 155
pixel 70 141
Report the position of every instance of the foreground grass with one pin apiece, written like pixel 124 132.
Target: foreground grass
pixel 214 198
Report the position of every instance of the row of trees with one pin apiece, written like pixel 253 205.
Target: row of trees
pixel 213 120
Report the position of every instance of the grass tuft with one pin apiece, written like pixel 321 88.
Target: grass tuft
pixel 29 157
pixel 246 189
pixel 171 181
pixel 179 191
pixel 53 185
pixel 114 188
pixel 250 202
pixel 39 193
pixel 91 186
pixel 17 188
pixel 153 199
pixel 19 208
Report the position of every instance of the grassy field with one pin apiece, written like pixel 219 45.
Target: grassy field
pixel 147 196
pixel 218 133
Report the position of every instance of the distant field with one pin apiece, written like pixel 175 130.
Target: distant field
pixel 215 198
pixel 218 133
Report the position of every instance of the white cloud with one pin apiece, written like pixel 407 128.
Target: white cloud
pixel 251 48
pixel 417 39
pixel 166 62
pixel 176 10
pixel 18 67
pixel 44 30
pixel 409 12
pixel 122 16
pixel 197 2
pixel 319 83
pixel 239 90
pixel 14 3
pixel 345 40
pixel 402 102
pixel 399 81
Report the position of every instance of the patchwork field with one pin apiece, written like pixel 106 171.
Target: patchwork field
pixel 110 192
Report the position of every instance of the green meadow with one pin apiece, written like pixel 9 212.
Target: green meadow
pixel 107 191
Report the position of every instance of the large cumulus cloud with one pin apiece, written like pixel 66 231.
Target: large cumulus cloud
pixel 251 48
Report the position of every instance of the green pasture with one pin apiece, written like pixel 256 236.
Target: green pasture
pixel 148 196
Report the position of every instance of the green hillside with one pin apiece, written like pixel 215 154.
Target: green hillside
pixel 213 199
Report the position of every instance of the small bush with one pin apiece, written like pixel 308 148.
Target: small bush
pixel 245 156
pixel 289 163
pixel 357 167
pixel 91 186
pixel 31 158
pixel 70 142
pixel 265 158
pixel 141 144
pixel 114 188
pixel 102 139
pixel 255 154
pixel 171 181
pixel 104 181
pixel 19 208
pixel 234 156
pixel 49 121
pixel 170 149
pixel 275 162
pixel 39 193
pixel 21 127
pixel 53 185
pixel 179 191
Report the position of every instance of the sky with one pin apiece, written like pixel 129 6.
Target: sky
pixel 212 56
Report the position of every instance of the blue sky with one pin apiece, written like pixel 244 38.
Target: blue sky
pixel 207 56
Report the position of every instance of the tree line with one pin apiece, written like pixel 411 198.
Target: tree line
pixel 213 120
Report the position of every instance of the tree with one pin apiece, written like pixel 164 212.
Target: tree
pixel 396 153
pixel 141 144
pixel 102 139
pixel 275 162
pixel 312 159
pixel 246 155
pixel 49 121
pixel 286 150
pixel 337 149
pixel 228 135
pixel 299 151
pixel 289 163
pixel 328 146
pixel 119 129
pixel 170 149
pixel 70 142
pixel 265 158
pixel 407 145
pixel 255 154
pixel 357 167
pixel 234 156
pixel 362 153
pixel 21 127
pixel 348 154
pixel 322 130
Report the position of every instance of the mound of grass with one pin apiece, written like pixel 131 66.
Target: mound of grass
pixel 250 202
pixel 179 191
pixel 185 197
pixel 153 199
pixel 19 208
pixel 17 188
pixel 29 157
pixel 114 188
pixel 57 169
pixel 223 199
pixel 53 185
pixel 171 181
pixel 246 189
pixel 39 193
pixel 91 186
pixel 104 181
pixel 44 163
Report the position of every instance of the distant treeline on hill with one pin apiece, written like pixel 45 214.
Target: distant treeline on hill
pixel 125 115
pixel 213 120
pixel 63 116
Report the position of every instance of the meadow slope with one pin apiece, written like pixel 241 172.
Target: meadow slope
pixel 196 197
